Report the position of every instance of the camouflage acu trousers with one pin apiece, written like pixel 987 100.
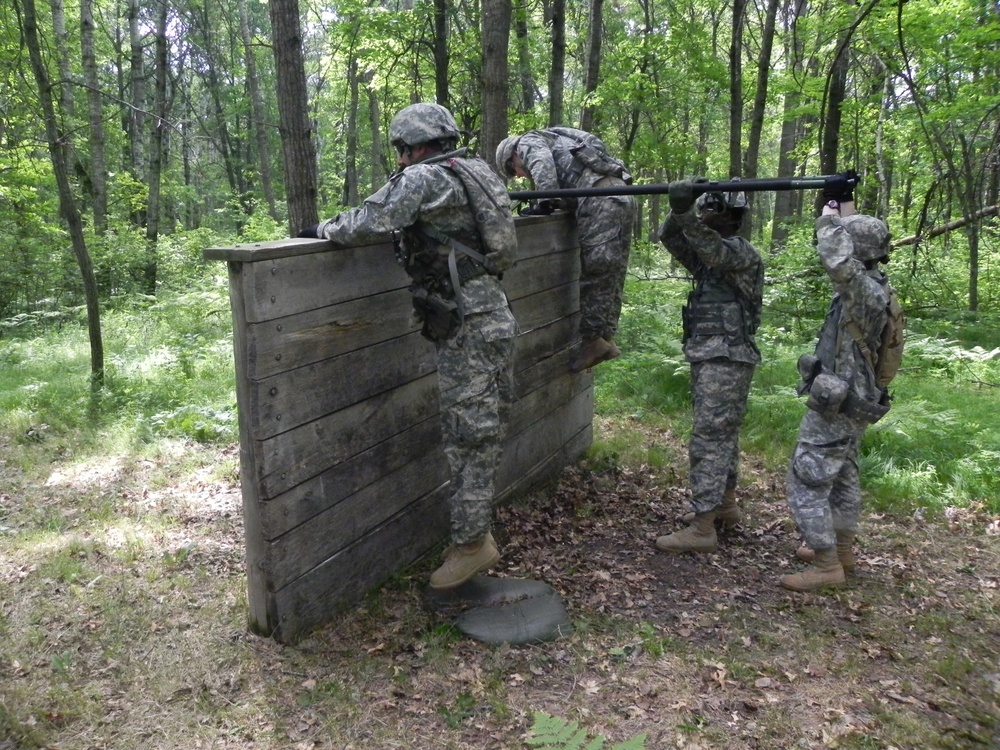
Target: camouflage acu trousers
pixel 719 390
pixel 475 377
pixel 823 488
pixel 605 227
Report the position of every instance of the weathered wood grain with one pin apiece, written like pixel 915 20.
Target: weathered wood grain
pixel 344 480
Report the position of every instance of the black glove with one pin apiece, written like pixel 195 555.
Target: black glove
pixel 542 208
pixel 840 187
pixel 681 194
pixel 310 232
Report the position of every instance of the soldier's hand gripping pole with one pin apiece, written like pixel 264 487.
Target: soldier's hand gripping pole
pixel 724 186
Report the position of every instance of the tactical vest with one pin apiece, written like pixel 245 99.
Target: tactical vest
pixel 588 153
pixel 440 263
pixel 824 363
pixel 714 308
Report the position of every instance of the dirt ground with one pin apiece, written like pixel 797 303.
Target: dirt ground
pixel 131 632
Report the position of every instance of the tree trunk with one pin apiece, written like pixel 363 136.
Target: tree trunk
pixel 95 117
pixel 593 73
pixel 156 149
pixel 529 89
pixel 441 60
pixel 496 92
pixel 786 201
pixel 62 58
pixel 258 119
pixel 225 142
pixel 752 155
pixel 379 165
pixel 58 147
pixel 138 91
pixel 297 145
pixel 736 88
pixel 350 196
pixel 557 72
pixel 833 112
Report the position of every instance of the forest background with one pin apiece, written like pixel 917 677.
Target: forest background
pixel 133 135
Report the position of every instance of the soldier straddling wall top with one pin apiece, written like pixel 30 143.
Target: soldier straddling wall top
pixel 845 392
pixel 454 216
pixel 560 158
pixel 720 320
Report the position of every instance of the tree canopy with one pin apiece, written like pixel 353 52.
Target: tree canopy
pixel 191 116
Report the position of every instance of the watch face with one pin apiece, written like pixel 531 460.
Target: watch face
pixel 832 204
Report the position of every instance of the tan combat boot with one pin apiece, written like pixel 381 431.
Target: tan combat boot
pixel 727 517
pixel 845 551
pixel 592 352
pixel 698 537
pixel 825 570
pixel 463 561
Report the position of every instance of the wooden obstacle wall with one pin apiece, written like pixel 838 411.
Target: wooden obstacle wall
pixel 344 482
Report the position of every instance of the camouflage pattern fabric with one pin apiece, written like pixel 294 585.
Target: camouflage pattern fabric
pixel 823 488
pixel 475 376
pixel 719 391
pixel 474 366
pixel 605 226
pixel 722 366
pixel 702 250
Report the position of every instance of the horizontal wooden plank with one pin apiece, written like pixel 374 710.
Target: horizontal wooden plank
pixel 545 438
pixel 542 272
pixel 542 354
pixel 546 307
pixel 286 343
pixel 328 509
pixel 343 579
pixel 535 234
pixel 302 502
pixel 290 458
pixel 285 286
pixel 287 400
pixel 548 467
pixel 308 545
pixel 257 252
pixel 283 344
pixel 538 235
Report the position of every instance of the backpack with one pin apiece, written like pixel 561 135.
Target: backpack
pixel 593 154
pixel 889 356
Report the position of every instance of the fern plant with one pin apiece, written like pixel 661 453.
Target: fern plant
pixel 552 733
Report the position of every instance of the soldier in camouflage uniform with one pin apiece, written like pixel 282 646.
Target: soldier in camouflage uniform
pixel 457 229
pixel 720 320
pixel 824 492
pixel 559 158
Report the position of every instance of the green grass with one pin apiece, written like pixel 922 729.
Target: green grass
pixel 936 448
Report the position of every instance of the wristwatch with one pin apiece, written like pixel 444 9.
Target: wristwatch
pixel 835 205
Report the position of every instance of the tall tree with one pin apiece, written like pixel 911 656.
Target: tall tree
pixel 752 154
pixel 58 144
pixel 556 11
pixel 592 76
pixel 297 145
pixel 156 146
pixel 95 118
pixel 442 92
pixel 258 119
pixel 496 92
pixel 736 88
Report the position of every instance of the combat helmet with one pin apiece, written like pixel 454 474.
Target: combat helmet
pixel 420 123
pixel 870 236
pixel 734 200
pixel 505 152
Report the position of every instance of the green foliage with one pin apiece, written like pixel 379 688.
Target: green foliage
pixel 169 374
pixel 937 447
pixel 551 733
